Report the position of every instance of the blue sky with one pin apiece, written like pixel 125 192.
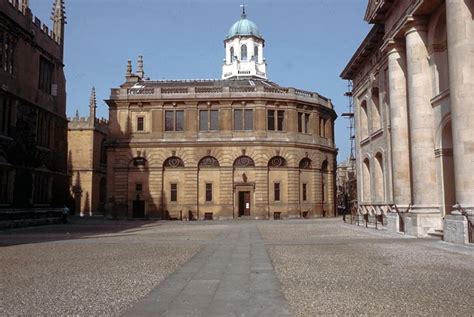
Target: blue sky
pixel 307 43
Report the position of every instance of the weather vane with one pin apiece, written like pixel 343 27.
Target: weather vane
pixel 243 10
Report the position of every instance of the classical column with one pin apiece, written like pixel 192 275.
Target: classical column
pixel 423 166
pixel 401 187
pixel 460 28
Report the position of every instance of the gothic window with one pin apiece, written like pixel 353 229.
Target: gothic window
pixel 243 52
pixel 244 161
pixel 243 119
pixel 275 119
pixel 305 163
pixel 208 191
pixel 103 153
pixel 5 183
pixel 43 128
pixel 174 120
pixel 45 75
pixel 7 52
pixel 5 115
pixel 41 185
pixel 208 161
pixel 174 162
pixel 208 120
pixel 277 161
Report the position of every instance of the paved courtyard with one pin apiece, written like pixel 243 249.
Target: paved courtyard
pixel 231 268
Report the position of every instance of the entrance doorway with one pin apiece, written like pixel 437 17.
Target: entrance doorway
pixel 244 203
pixel 138 209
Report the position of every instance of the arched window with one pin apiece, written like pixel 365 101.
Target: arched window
pixel 376 122
pixel 305 163
pixel 244 161
pixel 173 162
pixel 232 54
pixel 243 52
pixel 255 53
pixel 366 181
pixel 277 161
pixel 379 178
pixel 363 121
pixel 208 161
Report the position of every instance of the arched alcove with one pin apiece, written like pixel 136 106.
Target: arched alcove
pixel 379 178
pixel 376 118
pixel 363 121
pixel 366 181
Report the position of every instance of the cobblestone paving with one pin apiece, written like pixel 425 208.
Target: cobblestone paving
pixel 230 268
pixel 329 268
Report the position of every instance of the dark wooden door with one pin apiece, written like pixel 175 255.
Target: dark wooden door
pixel 244 204
pixel 138 209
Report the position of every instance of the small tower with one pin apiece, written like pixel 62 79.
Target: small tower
pixel 58 16
pixel 92 107
pixel 244 50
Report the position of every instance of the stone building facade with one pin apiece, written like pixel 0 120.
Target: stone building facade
pixel 241 146
pixel 413 94
pixel 87 161
pixel 33 124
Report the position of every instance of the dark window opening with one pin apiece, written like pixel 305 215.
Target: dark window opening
pixel 243 119
pixel 276 191
pixel 174 192
pixel 305 192
pixel 140 124
pixel 174 120
pixel 5 183
pixel 138 187
pixel 208 192
pixel 45 75
pixel 208 120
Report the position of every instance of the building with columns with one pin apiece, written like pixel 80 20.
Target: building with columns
pixel 414 110
pixel 33 123
pixel 237 147
pixel 87 161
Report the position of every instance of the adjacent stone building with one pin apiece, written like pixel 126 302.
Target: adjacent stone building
pixel 33 124
pixel 413 79
pixel 241 146
pixel 87 161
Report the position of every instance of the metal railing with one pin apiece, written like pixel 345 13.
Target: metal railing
pixel 470 225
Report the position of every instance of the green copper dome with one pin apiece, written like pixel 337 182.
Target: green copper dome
pixel 244 27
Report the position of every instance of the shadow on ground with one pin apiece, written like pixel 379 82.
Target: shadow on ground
pixel 76 228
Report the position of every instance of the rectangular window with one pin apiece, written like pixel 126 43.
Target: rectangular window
pixel 203 122
pixel 138 187
pixel 280 119
pixel 305 197
pixel 2 44
pixel 276 191
pixel 45 75
pixel 214 120
pixel 306 123
pixel 208 120
pixel 174 192
pixel 248 118
pixel 208 192
pixel 174 120
pixel 179 124
pixel 5 182
pixel 271 120
pixel 7 52
pixel 300 122
pixel 140 124
pixel 322 127
pixel 41 189
pixel 238 120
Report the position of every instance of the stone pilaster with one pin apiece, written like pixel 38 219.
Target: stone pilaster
pixel 399 124
pixel 460 28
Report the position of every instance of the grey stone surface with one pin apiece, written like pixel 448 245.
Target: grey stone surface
pixel 230 268
pixel 232 277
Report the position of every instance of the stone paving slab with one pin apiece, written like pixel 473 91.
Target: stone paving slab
pixel 232 278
